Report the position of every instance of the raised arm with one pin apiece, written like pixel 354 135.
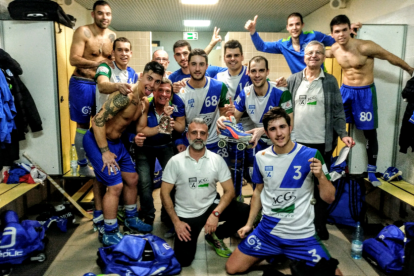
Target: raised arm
pixel 77 50
pixel 214 40
pixel 115 103
pixel 372 49
pixel 267 47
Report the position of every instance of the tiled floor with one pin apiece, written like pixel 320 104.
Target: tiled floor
pixel 79 254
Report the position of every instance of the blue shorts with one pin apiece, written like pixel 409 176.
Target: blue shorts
pixel 81 99
pixel 360 105
pixel 94 155
pixel 261 244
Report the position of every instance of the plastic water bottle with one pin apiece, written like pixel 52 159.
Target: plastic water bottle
pixel 357 240
pixel 73 160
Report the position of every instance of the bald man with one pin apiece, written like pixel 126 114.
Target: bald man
pixel 161 57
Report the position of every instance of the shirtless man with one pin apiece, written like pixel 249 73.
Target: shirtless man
pixel 110 159
pixel 356 58
pixel 91 46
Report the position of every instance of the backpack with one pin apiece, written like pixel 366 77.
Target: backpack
pixel 39 10
pixel 386 250
pixel 139 255
pixel 408 269
pixel 349 206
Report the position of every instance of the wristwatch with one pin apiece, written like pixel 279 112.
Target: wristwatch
pixel 216 213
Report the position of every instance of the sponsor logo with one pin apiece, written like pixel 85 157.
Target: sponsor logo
pixel 86 110
pixel 268 168
pixel 207 118
pixel 192 181
pixel 9 231
pixel 252 108
pixel 254 242
pixel 283 198
pixel 166 246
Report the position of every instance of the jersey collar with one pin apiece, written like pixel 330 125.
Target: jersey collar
pixel 207 80
pixel 187 153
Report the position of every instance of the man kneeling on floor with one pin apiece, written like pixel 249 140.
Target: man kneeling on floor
pixel 195 172
pixel 109 157
pixel 284 176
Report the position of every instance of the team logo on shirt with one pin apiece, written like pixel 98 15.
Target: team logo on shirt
pixel 191 102
pixel 118 79
pixel 195 182
pixel 252 108
pixel 175 108
pixel 302 99
pixel 268 171
pixel 192 181
pixel 207 118
pixel 238 100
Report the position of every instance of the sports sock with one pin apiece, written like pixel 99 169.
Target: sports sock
pixel 371 175
pixel 80 132
pixel 110 225
pixel 130 210
pixel 97 216
pixel 372 146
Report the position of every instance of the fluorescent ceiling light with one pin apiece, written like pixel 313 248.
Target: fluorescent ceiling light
pixel 199 2
pixel 196 23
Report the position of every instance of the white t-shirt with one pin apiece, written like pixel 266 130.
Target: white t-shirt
pixel 115 75
pixel 309 113
pixel 195 182
pixel 288 190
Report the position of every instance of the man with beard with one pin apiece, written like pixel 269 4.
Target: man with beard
pixel 284 175
pixel 111 161
pixel 359 95
pixel 194 173
pixel 91 46
pixel 201 97
pixel 256 100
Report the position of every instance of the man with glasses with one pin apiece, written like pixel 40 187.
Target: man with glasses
pixel 318 114
pixel 162 58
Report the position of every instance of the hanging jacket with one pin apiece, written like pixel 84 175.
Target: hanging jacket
pixel 27 114
pixel 407 130
pixel 7 112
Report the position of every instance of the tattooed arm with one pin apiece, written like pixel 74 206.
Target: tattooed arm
pixel 115 103
pixel 77 49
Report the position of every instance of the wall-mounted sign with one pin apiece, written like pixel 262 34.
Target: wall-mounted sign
pixel 190 35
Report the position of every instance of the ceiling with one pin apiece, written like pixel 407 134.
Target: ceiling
pixel 229 15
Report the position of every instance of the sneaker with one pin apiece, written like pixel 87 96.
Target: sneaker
pixel 235 132
pixel 221 248
pixel 120 215
pixel 86 171
pixel 170 233
pixel 112 238
pixel 134 224
pixel 240 198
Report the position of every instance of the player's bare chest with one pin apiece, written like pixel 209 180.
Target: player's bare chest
pixel 351 59
pixel 98 47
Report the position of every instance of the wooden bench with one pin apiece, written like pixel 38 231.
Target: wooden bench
pixel 85 193
pixel 402 190
pixel 10 192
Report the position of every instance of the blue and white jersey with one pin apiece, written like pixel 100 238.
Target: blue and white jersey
pixel 201 102
pixel 288 190
pixel 114 75
pixel 257 106
pixel 294 59
pixel 211 72
pixel 236 84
